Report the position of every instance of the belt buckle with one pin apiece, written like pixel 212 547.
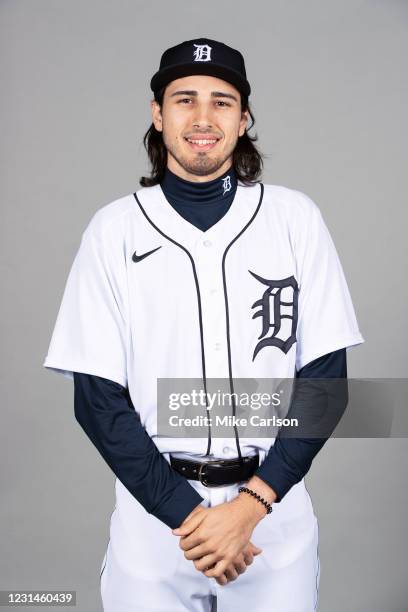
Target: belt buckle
pixel 200 475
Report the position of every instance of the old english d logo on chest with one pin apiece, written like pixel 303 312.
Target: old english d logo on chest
pixel 273 310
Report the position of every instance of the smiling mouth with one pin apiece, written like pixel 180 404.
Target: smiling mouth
pixel 206 144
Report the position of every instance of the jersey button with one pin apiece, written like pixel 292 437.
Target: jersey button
pixel 207 243
pixel 213 291
pixel 217 346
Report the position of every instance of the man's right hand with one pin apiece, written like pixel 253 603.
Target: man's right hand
pixel 238 566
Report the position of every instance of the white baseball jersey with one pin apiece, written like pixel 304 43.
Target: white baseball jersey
pixel 149 295
pixel 260 293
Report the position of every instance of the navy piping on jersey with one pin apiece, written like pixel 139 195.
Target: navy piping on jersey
pixel 200 318
pixel 231 382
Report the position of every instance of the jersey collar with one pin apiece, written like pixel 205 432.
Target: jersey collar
pixel 170 223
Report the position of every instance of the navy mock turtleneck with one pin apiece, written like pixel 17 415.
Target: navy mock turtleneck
pixel 202 204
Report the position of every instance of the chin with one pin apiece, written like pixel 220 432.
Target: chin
pixel 200 170
pixel 199 164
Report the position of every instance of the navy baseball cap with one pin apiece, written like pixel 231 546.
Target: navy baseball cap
pixel 202 56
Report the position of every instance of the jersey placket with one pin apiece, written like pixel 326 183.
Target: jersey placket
pixel 208 258
pixel 208 253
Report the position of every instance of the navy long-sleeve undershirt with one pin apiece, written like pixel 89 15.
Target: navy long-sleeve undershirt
pixel 105 411
pixel 290 458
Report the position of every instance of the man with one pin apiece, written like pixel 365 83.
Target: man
pixel 204 273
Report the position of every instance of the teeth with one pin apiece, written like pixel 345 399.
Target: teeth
pixel 202 142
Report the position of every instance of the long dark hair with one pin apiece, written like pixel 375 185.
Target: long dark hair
pixel 247 160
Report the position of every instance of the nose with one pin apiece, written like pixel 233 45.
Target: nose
pixel 202 118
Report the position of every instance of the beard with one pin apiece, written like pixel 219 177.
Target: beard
pixel 198 163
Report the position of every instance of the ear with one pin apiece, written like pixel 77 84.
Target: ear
pixel 243 123
pixel 156 115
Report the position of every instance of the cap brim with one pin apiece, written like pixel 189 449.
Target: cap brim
pixel 177 71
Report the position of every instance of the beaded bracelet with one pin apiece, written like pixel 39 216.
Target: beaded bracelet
pixel 258 497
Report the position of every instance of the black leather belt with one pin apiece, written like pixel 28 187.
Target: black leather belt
pixel 217 472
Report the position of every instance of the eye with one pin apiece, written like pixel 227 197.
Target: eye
pixel 224 103
pixel 184 99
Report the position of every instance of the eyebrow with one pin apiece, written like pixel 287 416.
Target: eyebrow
pixel 214 94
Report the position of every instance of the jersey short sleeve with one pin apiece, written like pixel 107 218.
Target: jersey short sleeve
pixel 90 331
pixel 326 317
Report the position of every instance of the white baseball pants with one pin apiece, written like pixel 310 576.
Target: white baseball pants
pixel 144 569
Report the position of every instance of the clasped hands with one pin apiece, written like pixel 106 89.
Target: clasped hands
pixel 217 539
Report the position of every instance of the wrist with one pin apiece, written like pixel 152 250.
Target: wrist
pixel 201 507
pixel 196 510
pixel 261 488
pixel 256 509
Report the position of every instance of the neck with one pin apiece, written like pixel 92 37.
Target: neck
pixel 217 189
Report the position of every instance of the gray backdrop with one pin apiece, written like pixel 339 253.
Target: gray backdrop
pixel 330 98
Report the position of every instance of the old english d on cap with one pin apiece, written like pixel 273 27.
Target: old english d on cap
pixel 202 56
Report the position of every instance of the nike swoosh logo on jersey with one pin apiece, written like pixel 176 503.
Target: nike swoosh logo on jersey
pixel 140 257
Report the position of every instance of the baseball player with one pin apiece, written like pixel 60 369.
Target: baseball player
pixel 203 273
